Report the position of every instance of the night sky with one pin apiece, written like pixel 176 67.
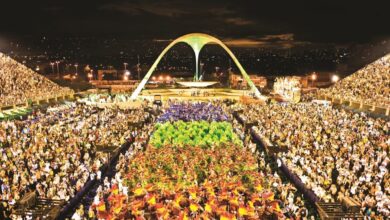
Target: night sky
pixel 240 21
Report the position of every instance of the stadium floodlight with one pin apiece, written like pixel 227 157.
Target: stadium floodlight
pixel 52 67
pixel 335 78
pixel 313 76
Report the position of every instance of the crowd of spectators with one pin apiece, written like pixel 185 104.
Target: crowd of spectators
pixel 370 84
pixel 292 202
pixel 19 84
pixel 140 139
pixel 336 153
pixel 106 98
pixel 55 153
pixel 186 111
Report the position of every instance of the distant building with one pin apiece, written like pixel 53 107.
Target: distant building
pixel 111 74
pixel 237 81
pixel 114 81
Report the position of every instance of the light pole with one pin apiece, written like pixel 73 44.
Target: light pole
pixel 52 67
pixel 126 75
pixel 76 65
pixel 313 78
pixel 138 68
pixel 58 69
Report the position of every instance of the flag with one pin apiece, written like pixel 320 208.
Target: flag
pixel 160 209
pixel 268 196
pixel 114 189
pixel 101 207
pixel 227 216
pixel 233 201
pixel 117 209
pixel 258 187
pixel 275 206
pixel 192 193
pixel 138 191
pixel 183 216
pixel 208 208
pixel 151 200
pixel 149 187
pixel 242 211
pixel 194 207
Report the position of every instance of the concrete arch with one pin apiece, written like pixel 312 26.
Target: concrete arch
pixel 196 41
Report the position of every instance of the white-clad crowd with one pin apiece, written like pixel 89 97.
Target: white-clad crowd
pixel 370 84
pixel 19 84
pixel 336 153
pixel 140 138
pixel 55 153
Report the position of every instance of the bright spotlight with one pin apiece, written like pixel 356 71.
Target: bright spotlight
pixel 335 78
pixel 313 76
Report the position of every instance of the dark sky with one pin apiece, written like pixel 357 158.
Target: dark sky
pixel 243 21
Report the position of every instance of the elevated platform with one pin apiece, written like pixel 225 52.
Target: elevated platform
pixel 33 207
pixel 336 211
pixel 197 84
pixel 195 94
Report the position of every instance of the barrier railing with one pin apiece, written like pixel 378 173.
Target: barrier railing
pixel 362 105
pixel 38 100
pixel 75 201
pixel 72 204
pixel 272 150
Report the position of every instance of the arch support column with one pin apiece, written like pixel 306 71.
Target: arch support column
pixel 196 66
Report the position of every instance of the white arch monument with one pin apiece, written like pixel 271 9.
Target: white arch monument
pixel 196 41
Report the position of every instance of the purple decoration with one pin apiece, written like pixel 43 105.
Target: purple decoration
pixel 193 112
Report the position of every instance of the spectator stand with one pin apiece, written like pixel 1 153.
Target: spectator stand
pixel 106 170
pixel 37 208
pixel 272 150
pixel 68 210
pixel 362 105
pixel 349 209
pixel 376 114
